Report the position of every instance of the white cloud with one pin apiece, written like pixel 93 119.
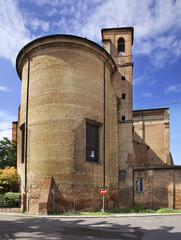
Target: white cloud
pixel 147 95
pixel 13 32
pixel 39 24
pixel 5 116
pixel 156 24
pixel 6 133
pixel 5 129
pixel 173 88
pixel 6 120
pixel 5 89
pixel 139 79
pixel 43 2
pixel 52 12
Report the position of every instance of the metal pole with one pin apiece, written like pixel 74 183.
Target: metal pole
pixel 103 206
pixel 104 148
pixel 133 183
pixel 104 154
pixel 53 199
pixel 26 132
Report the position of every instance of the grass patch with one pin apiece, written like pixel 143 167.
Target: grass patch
pixel 136 209
pixel 168 210
pixel 80 213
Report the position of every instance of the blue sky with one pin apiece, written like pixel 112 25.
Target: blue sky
pixel 156 50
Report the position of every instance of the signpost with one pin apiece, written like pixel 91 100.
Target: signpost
pixel 52 192
pixel 103 192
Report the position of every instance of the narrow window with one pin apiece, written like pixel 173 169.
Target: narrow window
pixel 92 142
pixel 121 45
pixel 22 129
pixel 123 118
pixel 123 78
pixel 122 175
pixel 123 96
pixel 118 103
pixel 139 184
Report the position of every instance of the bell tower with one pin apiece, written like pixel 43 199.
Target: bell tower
pixel 118 42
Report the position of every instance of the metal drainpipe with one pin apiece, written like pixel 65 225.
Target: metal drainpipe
pixel 174 198
pixel 26 130
pixel 133 183
pixel 104 154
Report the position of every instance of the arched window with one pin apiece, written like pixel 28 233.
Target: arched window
pixel 121 45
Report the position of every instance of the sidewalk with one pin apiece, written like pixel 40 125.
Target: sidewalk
pixel 89 216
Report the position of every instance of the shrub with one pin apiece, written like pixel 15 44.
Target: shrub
pixel 9 180
pixel 165 210
pixel 10 199
pixel 136 209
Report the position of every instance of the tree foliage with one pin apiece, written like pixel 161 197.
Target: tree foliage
pixel 8 153
pixel 9 180
pixel 10 199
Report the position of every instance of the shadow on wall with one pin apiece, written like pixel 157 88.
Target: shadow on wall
pixel 39 228
pixel 145 156
pixel 158 190
pixel 64 197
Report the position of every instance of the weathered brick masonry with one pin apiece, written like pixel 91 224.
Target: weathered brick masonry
pixel 162 187
pixel 62 94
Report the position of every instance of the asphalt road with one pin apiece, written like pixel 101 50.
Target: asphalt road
pixel 125 228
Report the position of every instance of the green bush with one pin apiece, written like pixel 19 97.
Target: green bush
pixel 165 210
pixel 10 199
pixel 136 209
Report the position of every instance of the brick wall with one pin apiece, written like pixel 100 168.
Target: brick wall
pixel 161 188
pixel 125 69
pixel 177 176
pixel 14 130
pixel 151 127
pixel 66 90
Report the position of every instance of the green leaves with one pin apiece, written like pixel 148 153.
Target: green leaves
pixel 10 199
pixel 8 153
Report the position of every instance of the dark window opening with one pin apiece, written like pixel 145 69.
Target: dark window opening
pixel 121 45
pixel 22 129
pixel 122 175
pixel 123 118
pixel 92 142
pixel 118 103
pixel 123 96
pixel 123 78
pixel 139 184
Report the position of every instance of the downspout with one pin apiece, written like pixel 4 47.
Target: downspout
pixel 143 128
pixel 26 131
pixel 133 183
pixel 104 148
pixel 174 197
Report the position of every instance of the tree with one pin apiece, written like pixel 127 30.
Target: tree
pixel 8 153
pixel 9 180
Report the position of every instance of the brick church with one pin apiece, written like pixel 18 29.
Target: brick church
pixel 77 132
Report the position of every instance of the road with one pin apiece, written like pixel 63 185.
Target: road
pixel 125 228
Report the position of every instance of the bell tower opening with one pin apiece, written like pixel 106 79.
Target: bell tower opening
pixel 121 45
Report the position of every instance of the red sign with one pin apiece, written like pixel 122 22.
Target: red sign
pixel 103 191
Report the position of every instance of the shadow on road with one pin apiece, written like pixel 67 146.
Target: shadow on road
pixel 44 228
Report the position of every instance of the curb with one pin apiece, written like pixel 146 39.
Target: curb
pixel 89 216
